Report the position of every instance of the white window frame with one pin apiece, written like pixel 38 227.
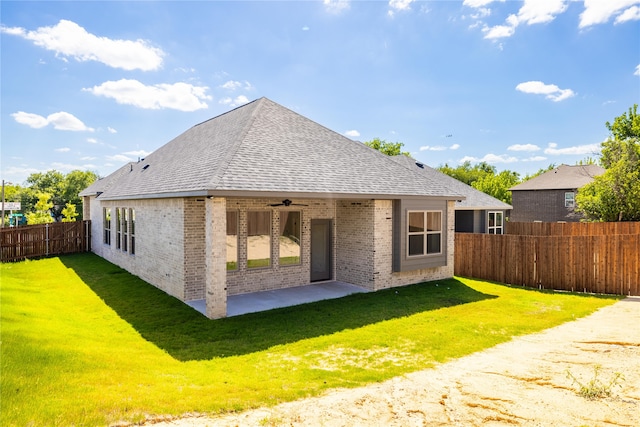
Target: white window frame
pixel 426 232
pixel 496 226
pixel 570 202
pixel 106 226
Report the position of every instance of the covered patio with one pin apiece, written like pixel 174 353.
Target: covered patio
pixel 268 300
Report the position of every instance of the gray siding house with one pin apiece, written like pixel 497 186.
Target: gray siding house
pixel 478 212
pixel 550 197
pixel 262 198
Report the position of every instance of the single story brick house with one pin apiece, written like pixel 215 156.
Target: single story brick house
pixel 262 198
pixel 478 212
pixel 550 197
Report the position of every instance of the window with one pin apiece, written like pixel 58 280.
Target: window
pixel 125 229
pixel 106 226
pixel 569 199
pixel 232 240
pixel 118 228
pixel 289 239
pixel 258 239
pixel 424 235
pixel 132 230
pixel 496 223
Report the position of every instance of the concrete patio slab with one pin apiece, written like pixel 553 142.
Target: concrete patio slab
pixel 268 300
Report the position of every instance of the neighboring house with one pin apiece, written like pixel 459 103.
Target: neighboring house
pixel 551 197
pixel 478 213
pixel 262 198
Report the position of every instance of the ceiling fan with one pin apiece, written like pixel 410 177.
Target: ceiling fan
pixel 287 202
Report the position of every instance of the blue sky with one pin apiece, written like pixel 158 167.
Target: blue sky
pixel 519 84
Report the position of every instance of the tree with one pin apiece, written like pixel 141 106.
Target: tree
pixel 41 213
pixel 62 188
pixel 69 213
pixel 388 148
pixel 615 195
pixel 497 185
pixel 467 173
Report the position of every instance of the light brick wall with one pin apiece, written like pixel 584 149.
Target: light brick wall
pixel 194 248
pixel 246 280
pixel 159 257
pixel 365 247
pixel 215 264
pixel 355 242
pixel 181 246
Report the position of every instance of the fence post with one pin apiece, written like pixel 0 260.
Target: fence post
pixel 46 238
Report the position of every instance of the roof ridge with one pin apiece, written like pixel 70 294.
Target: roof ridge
pixel 240 140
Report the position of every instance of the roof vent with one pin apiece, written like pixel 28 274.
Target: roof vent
pixel 145 167
pixel 420 165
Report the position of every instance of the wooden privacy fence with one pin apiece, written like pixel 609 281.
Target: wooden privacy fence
pixel 608 264
pixel 34 241
pixel 572 228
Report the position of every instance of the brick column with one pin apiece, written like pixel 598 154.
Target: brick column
pixel 216 257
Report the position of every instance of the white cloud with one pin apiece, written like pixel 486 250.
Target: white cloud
pixel 68 39
pixel 66 167
pixel 138 153
pixel 439 147
pixel 523 147
pixel 352 133
pixel 87 158
pixel 111 130
pixel 92 140
pixel 553 149
pixel 599 11
pixel 234 102
pixel 305 28
pixel 498 32
pixel 479 3
pixel 32 120
pixel 631 14
pixel 534 159
pixel 235 85
pixel 531 12
pixel 551 92
pixel 177 96
pixel 637 72
pixel 63 150
pixel 60 121
pixel 399 5
pixel 120 158
pixel 490 158
pixel 433 148
pixel 336 6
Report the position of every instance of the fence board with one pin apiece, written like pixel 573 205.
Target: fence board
pixel 599 263
pixel 572 228
pixel 34 241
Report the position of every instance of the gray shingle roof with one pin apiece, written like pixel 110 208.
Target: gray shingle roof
pixel 265 147
pixel 475 199
pixel 563 177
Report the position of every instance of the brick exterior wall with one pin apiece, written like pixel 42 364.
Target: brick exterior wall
pixel 181 246
pixel 541 205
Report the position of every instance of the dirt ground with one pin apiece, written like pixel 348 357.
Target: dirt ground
pixel 523 382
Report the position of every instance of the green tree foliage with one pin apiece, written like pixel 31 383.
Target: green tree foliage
pixel 62 188
pixel 388 148
pixel 497 185
pixel 42 211
pixel 69 213
pixel 615 195
pixel 467 172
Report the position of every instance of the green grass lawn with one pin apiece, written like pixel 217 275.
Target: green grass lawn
pixel 86 343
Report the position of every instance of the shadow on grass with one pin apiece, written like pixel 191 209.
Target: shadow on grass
pixel 187 335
